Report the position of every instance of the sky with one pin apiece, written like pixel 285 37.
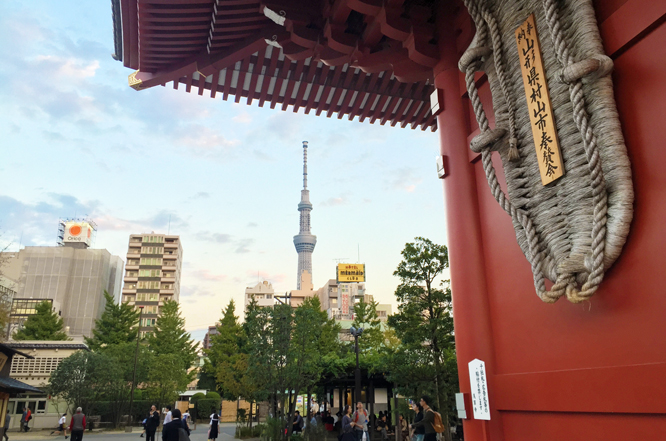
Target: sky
pixel 76 141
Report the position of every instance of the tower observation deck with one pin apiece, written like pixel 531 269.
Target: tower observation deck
pixel 304 241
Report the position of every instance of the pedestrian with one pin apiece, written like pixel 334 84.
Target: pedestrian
pixel 297 424
pixel 152 423
pixel 169 416
pixel 404 427
pixel 186 419
pixel 27 419
pixel 175 430
pixel 428 419
pixel 419 432
pixel 214 424
pixel 77 425
pixel 61 426
pixel 8 419
pixel 347 432
pixel 360 422
pixel 329 422
pixel 24 420
pixel 382 426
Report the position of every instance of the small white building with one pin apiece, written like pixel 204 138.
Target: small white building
pixel 36 372
pixel 263 293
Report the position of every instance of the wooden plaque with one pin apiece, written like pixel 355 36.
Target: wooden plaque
pixel 539 107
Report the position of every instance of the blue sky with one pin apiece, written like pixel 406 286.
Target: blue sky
pixel 76 140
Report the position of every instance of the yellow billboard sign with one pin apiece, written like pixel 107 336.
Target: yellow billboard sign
pixel 351 272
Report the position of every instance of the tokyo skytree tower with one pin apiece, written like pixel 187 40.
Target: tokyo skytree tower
pixel 305 241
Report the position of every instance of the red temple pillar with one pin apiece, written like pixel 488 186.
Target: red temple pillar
pixel 471 314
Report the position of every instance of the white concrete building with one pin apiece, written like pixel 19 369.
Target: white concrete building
pixel 263 293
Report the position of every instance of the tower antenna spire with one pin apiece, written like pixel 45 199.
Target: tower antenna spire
pixel 305 165
pixel 304 241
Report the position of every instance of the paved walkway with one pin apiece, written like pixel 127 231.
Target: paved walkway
pixel 227 431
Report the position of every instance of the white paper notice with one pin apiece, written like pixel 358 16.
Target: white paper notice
pixel 479 384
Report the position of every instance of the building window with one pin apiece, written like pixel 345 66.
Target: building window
pixel 150 273
pixel 152 250
pixel 169 274
pixel 147 297
pixel 131 274
pixel 37 365
pixel 148 322
pixel 167 286
pixel 149 284
pixel 151 261
pixel 152 309
pixel 153 239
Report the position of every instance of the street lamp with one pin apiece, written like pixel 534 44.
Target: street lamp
pixel 136 359
pixel 357 374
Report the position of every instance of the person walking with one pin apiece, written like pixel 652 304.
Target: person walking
pixel 173 430
pixel 360 422
pixel 77 425
pixel 428 420
pixel 8 419
pixel 152 423
pixel 419 432
pixel 61 426
pixel 347 431
pixel 297 424
pixel 214 426
pixel 169 415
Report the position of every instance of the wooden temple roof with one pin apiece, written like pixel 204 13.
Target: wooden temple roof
pixel 371 59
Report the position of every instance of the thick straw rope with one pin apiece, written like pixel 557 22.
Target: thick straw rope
pixel 493 139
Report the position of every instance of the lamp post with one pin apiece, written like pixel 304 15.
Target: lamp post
pixel 136 359
pixel 357 374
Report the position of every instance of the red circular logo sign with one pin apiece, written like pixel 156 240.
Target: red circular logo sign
pixel 75 230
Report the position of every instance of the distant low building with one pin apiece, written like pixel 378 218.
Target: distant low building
pixel 263 293
pixel 36 372
pixel 212 330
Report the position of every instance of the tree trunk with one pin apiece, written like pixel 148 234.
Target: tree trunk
pixel 250 419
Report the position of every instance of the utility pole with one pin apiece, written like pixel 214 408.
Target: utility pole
pixel 357 373
pixel 136 359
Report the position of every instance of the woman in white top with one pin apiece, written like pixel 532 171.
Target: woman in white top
pixel 214 421
pixel 61 426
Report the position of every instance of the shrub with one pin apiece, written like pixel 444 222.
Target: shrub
pixel 213 395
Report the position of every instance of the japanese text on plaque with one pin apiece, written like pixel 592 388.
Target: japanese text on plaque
pixel 538 102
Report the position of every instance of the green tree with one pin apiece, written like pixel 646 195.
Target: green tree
pixel 45 324
pixel 425 360
pixel 166 377
pixel 85 378
pixel 116 326
pixel 224 353
pixel 312 345
pixel 170 338
pixel 371 342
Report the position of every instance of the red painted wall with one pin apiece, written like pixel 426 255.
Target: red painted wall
pixel 590 371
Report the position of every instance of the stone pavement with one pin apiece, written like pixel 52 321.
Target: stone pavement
pixel 227 431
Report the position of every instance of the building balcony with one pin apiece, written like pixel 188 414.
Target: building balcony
pixel 167 291
pixel 171 245
pixel 170 256
pixel 129 291
pixel 169 279
pixel 132 267
pixel 134 243
pixel 131 279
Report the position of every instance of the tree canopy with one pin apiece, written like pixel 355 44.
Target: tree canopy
pixel 45 324
pixel 425 360
pixel 116 326
pixel 170 337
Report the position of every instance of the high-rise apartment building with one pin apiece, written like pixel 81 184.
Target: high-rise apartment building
pixel 152 274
